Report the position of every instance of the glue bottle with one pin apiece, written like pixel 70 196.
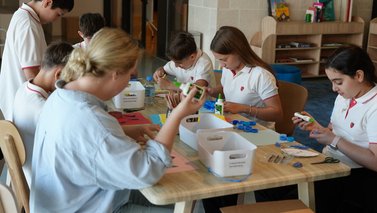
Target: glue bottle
pixel 219 105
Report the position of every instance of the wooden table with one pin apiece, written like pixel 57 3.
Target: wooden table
pixel 185 187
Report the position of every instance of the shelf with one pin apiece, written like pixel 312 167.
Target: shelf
pixel 291 49
pixel 275 33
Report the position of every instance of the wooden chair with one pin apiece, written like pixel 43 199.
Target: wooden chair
pixel 286 206
pixel 14 154
pixel 8 203
pixel 293 98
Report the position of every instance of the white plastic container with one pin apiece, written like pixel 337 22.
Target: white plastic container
pixel 204 122
pixel 226 153
pixel 132 97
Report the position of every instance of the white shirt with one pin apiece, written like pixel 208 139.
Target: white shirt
pixel 24 47
pixel 249 86
pixel 359 126
pixel 28 104
pixel 202 69
pixel 80 45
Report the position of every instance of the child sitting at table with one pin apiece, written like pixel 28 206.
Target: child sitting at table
pixel 33 94
pixel 247 82
pixel 249 88
pixel 188 64
pixel 83 161
pixel 89 23
pixel 351 135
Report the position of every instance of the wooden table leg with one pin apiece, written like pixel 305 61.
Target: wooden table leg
pixel 306 194
pixel 183 207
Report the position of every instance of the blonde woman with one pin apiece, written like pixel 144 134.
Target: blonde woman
pixel 83 160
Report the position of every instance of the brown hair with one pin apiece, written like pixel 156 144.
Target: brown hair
pixel 230 40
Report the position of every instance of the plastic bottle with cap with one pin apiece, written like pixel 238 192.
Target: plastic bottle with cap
pixel 219 105
pixel 149 90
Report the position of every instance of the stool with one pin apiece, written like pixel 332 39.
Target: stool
pixel 287 73
pixel 286 206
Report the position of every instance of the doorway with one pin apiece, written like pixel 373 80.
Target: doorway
pixel 152 22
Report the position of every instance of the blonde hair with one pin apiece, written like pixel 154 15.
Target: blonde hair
pixel 109 49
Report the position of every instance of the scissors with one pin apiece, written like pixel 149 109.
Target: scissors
pixel 328 160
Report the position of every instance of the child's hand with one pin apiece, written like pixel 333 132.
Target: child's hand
pixel 232 107
pixel 306 125
pixel 138 132
pixel 158 74
pixel 322 135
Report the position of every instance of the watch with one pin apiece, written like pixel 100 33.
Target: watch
pixel 334 143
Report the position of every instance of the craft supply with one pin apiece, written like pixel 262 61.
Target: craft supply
pixel 186 87
pixel 327 160
pixel 219 105
pixel 297 164
pixel 299 152
pixel 304 117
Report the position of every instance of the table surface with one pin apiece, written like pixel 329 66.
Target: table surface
pixel 184 187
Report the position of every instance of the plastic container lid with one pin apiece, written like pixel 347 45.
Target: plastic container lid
pixel 149 78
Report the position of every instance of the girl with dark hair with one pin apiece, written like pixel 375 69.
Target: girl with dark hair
pixel 351 135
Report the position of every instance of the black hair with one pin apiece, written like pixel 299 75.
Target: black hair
pixel 90 23
pixel 56 54
pixel 62 4
pixel 348 59
pixel 182 46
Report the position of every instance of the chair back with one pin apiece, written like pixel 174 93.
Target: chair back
pixel 8 202
pixel 293 99
pixel 13 150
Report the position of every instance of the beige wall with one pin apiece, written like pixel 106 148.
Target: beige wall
pixel 81 6
pixel 206 16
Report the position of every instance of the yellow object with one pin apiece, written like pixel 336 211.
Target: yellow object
pixel 163 118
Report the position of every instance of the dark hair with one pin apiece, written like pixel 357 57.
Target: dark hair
pixel 182 46
pixel 90 23
pixel 349 59
pixel 62 4
pixel 56 54
pixel 230 40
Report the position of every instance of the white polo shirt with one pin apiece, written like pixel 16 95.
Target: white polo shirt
pixel 80 45
pixel 28 104
pixel 249 86
pixel 357 124
pixel 24 47
pixel 201 69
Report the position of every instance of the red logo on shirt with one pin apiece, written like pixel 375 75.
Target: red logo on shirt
pixel 352 124
pixel 242 88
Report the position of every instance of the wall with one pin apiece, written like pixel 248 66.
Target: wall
pixel 206 16
pixel 81 6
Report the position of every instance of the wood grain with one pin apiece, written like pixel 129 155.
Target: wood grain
pixel 185 187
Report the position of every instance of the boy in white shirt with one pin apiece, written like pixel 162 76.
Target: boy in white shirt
pixel 24 46
pixel 89 24
pixel 188 64
pixel 33 94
